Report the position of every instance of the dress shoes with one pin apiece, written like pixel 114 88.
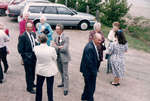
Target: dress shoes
pixel 1 81
pixel 60 86
pixel 32 91
pixel 65 93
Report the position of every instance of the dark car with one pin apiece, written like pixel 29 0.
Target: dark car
pixel 3 7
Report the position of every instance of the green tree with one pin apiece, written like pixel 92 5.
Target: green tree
pixel 113 10
pixel 93 6
pixel 82 4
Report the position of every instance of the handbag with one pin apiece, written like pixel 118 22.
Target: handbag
pixel 107 56
pixel 46 31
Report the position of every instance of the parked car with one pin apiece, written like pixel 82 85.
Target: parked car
pixel 58 13
pixel 4 5
pixel 15 10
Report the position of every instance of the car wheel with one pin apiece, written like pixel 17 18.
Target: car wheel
pixel 84 25
pixel 2 12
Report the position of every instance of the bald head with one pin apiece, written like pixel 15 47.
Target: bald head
pixel 29 26
pixel 97 39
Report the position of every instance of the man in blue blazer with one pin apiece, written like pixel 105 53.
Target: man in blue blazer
pixel 89 67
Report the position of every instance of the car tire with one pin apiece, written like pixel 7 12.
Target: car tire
pixel 84 25
pixel 2 12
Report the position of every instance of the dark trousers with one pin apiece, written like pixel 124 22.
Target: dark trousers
pixel 40 81
pixel 29 74
pixel 89 88
pixel 1 72
pixel 3 58
pixel 109 68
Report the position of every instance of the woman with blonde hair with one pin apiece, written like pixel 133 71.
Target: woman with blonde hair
pixel 111 38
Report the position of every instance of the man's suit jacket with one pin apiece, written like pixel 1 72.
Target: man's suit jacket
pixel 89 64
pixel 63 52
pixel 25 48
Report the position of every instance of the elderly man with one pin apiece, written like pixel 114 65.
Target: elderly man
pixel 89 66
pixel 61 44
pixel 25 48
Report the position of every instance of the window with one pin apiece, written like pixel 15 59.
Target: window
pixel 50 10
pixel 63 10
pixel 36 9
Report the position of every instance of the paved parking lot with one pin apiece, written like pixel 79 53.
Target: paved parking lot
pixel 135 86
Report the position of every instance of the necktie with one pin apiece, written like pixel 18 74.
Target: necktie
pixel 59 40
pixel 32 42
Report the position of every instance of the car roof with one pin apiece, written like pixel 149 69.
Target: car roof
pixel 45 4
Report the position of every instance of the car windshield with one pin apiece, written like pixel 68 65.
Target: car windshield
pixel 5 0
pixel 15 1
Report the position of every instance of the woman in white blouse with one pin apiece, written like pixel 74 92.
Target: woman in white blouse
pixel 111 38
pixel 46 67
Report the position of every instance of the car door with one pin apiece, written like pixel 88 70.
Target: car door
pixel 35 12
pixel 66 16
pixel 50 13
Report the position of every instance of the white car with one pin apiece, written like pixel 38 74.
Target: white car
pixel 59 14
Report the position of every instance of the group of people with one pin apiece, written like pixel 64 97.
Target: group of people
pixel 93 56
pixel 44 54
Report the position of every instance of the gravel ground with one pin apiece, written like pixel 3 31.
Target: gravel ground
pixel 134 87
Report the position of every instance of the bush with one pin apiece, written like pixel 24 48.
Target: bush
pixel 113 10
pixel 92 6
pixel 82 5
pixel 70 3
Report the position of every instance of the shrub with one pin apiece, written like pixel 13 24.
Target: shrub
pixel 113 10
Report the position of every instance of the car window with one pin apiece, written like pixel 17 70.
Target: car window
pixel 36 9
pixel 63 10
pixel 50 10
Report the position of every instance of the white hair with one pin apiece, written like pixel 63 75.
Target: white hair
pixel 97 25
pixel 43 17
pixel 26 14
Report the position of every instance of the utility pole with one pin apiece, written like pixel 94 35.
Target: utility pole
pixel 77 5
pixel 87 7
pixel 66 2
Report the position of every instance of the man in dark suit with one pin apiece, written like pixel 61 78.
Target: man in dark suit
pixel 89 67
pixel 25 48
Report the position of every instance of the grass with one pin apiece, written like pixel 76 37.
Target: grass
pixel 140 42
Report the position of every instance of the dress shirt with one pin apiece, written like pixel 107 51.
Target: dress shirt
pixel 96 51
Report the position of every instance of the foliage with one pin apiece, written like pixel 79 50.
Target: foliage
pixel 113 10
pixel 82 5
